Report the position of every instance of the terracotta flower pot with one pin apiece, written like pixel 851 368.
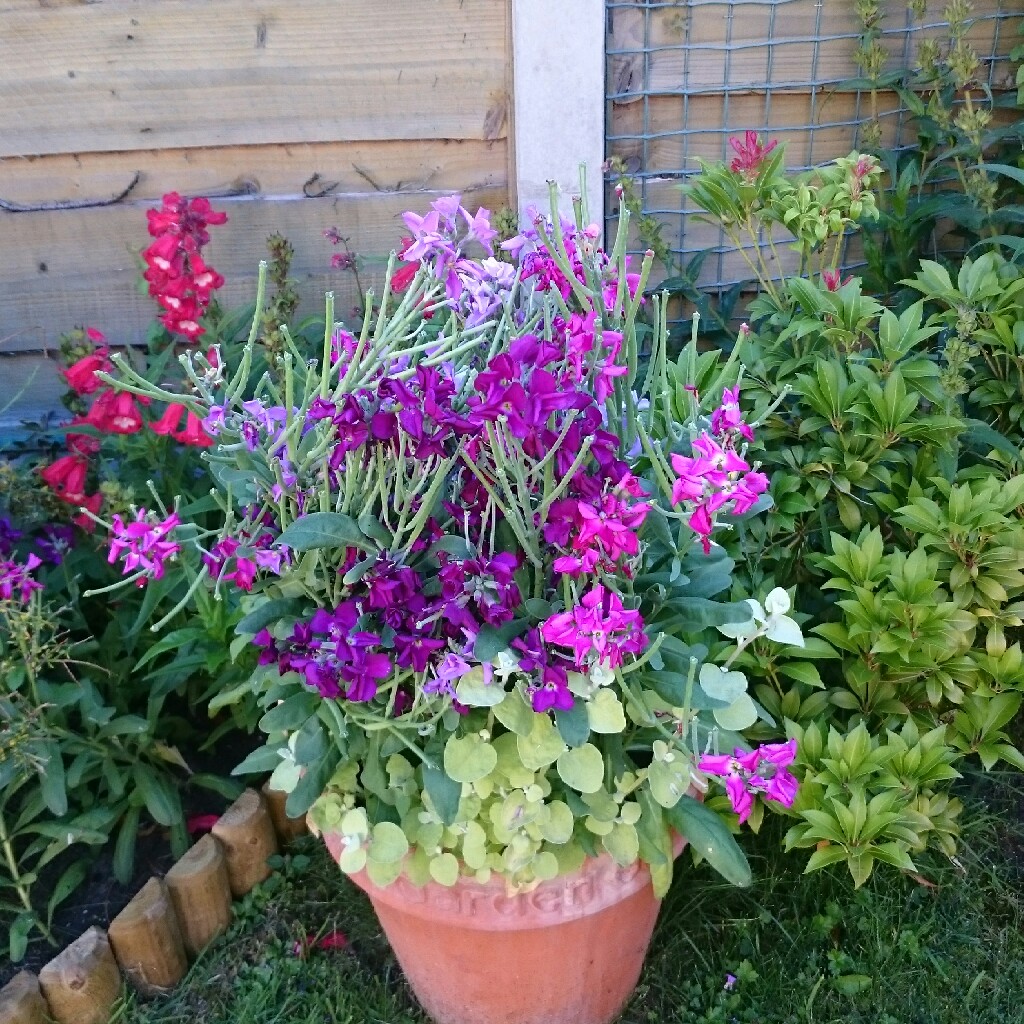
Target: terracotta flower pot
pixel 567 952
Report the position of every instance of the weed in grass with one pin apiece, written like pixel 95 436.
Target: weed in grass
pixel 794 949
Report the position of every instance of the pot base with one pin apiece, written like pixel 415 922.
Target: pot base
pixel 569 951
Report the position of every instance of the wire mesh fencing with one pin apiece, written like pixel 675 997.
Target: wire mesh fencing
pixel 683 76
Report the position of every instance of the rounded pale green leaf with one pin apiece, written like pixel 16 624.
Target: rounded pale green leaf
pixel 545 866
pixel 515 714
pixel 388 844
pixel 556 826
pixel 542 746
pixel 285 776
pixel 623 844
pixel 469 758
pixel 722 685
pixel 354 823
pixel 472 690
pixel 474 846
pixel 668 780
pixel 606 714
pixel 741 714
pixel 582 769
pixel 352 859
pixel 444 869
pixel 383 874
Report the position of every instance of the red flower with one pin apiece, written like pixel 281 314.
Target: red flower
pixel 200 823
pixel 750 154
pixel 92 503
pixel 168 423
pixel 332 940
pixel 116 412
pixel 193 433
pixel 81 376
pixel 79 442
pixel 94 335
pixel 66 478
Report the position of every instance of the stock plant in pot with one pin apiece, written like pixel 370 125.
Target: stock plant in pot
pixel 482 577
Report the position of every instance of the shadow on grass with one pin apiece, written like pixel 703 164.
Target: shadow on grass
pixel 803 949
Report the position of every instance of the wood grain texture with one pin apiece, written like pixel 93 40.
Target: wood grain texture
pixel 21 1002
pixel 80 267
pixel 120 74
pixel 264 170
pixel 82 983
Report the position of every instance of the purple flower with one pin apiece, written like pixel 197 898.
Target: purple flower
pixel 480 227
pixel 15 582
pixel 56 541
pixel 8 536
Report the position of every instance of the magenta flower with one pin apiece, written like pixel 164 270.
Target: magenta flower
pixel 598 629
pixel 750 155
pixel 758 772
pixel 143 544
pixel 15 582
pixel 728 417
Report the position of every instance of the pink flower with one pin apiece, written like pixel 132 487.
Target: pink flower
pixel 750 155
pixel 15 582
pixel 831 280
pixel 728 416
pixel 598 629
pixel 758 772
pixel 143 544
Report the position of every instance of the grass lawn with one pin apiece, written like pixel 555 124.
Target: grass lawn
pixel 806 949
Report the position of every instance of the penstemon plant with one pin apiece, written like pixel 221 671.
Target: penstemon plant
pixel 479 552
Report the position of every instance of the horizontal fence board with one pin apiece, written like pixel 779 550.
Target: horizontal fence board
pixel 707 47
pixel 121 74
pixel 80 267
pixel 271 170
pixel 31 387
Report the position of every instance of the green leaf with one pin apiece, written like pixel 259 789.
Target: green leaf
pixel 290 714
pixel 17 941
pixel 261 760
pixel 444 869
pixel 605 713
pixel 444 792
pixel 472 690
pixel 582 769
pixel 542 746
pixel 312 784
pixel 161 798
pixel 574 724
pixel 492 640
pixel 52 781
pixel 739 715
pixel 515 714
pixel 124 847
pixel 388 843
pixel 325 530
pixel 469 758
pixel 267 613
pixel 66 885
pixel 707 833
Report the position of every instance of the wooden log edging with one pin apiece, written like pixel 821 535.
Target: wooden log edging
pixel 169 922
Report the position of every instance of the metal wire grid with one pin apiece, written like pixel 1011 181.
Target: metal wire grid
pixel 818 86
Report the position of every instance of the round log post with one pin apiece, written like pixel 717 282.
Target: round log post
pixel 82 983
pixel 287 828
pixel 247 834
pixel 21 1002
pixel 147 941
pixel 200 894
